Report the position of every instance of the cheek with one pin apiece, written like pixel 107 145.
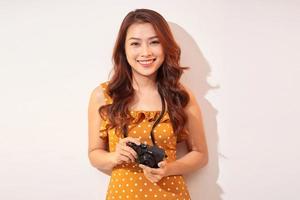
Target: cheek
pixel 161 55
pixel 160 52
pixel 131 54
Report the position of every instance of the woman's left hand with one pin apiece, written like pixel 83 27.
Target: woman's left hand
pixel 155 174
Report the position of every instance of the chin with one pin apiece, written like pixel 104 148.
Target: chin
pixel 145 72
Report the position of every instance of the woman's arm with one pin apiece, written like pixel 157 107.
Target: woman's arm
pixel 98 153
pixel 196 142
pixel 99 157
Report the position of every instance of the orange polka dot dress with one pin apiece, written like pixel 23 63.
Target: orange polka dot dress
pixel 127 180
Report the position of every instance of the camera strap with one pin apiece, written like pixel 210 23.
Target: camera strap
pixel 160 116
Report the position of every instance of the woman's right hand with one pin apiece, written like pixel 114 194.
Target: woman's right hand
pixel 123 152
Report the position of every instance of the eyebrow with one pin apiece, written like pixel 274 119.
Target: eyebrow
pixel 134 38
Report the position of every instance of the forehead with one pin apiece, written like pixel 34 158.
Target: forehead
pixel 141 30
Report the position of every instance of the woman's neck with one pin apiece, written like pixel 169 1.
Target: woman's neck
pixel 142 83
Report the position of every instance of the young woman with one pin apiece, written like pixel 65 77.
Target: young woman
pixel 145 103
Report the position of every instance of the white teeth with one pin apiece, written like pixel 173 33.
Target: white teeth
pixel 145 62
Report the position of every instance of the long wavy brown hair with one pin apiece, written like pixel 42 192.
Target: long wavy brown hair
pixel 168 75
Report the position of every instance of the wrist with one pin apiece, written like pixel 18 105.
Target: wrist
pixel 170 168
pixel 113 160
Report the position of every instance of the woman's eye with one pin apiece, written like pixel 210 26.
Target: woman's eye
pixel 155 42
pixel 134 44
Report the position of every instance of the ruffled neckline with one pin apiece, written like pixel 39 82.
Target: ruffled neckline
pixel 145 111
pixel 148 115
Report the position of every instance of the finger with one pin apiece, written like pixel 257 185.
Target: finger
pixel 121 159
pixel 148 173
pixel 144 167
pixel 155 179
pixel 134 140
pixel 130 150
pixel 162 164
pixel 124 158
pixel 152 178
pixel 127 151
pixel 123 152
pixel 156 172
pixel 128 155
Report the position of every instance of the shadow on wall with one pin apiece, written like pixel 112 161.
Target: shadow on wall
pixel 202 184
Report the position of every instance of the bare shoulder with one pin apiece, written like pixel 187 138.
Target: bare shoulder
pixel 193 101
pixel 97 96
pixel 97 99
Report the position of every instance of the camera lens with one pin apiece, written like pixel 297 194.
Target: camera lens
pixel 147 159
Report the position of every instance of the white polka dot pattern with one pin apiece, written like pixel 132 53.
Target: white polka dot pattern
pixel 136 186
pixel 127 180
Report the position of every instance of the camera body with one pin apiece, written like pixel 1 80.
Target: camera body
pixel 148 155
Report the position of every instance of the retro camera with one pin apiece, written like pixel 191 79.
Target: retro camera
pixel 148 155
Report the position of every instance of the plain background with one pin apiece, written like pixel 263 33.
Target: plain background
pixel 244 72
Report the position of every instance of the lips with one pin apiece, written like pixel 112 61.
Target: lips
pixel 146 62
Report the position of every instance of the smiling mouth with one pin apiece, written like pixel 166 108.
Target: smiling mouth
pixel 146 62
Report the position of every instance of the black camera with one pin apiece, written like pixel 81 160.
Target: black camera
pixel 148 155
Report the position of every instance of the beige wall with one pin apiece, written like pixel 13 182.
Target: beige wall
pixel 243 63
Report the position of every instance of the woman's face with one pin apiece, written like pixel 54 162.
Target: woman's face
pixel 143 50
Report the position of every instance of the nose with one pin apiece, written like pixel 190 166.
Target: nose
pixel 146 51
